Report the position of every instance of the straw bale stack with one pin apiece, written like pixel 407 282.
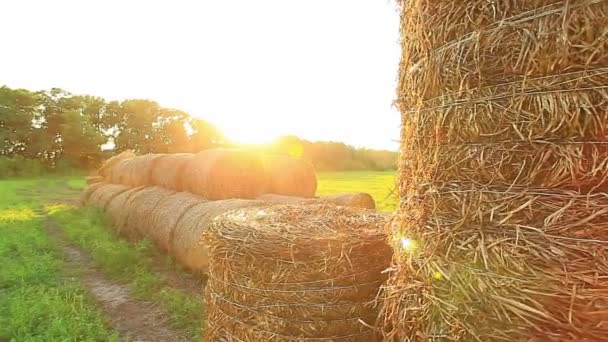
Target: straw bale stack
pixel 291 272
pixel 138 171
pixel 186 240
pixel 225 173
pixel 167 214
pixel 168 170
pixel 105 193
pixel 140 207
pixel 117 210
pixel 106 168
pixel 94 179
pixel 502 230
pixel 356 200
pixel 290 176
pixel 88 191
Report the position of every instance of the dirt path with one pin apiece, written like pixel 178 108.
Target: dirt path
pixel 134 320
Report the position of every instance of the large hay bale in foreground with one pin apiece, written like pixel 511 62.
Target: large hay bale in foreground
pixel 117 210
pixel 106 168
pixel 225 173
pixel 140 207
pixel 290 176
pixel 502 230
pixel 186 243
pixel 168 170
pixel 138 171
pixel 291 272
pixel 105 193
pixel 88 191
pixel 167 214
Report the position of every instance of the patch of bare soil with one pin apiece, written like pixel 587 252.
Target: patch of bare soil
pixel 133 319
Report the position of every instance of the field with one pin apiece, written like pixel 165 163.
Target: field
pixel 65 276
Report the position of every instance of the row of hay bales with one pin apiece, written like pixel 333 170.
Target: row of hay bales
pixel 297 270
pixel 215 174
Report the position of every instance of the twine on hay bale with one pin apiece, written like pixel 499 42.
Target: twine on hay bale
pixel 88 191
pixel 291 272
pixel 290 176
pixel 106 168
pixel 105 193
pixel 501 234
pixel 140 207
pixel 167 214
pixel 117 210
pixel 168 170
pixel 225 173
pixel 186 243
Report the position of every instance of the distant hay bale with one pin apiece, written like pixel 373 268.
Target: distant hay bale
pixel 502 229
pixel 168 170
pixel 186 243
pixel 167 214
pixel 88 191
pixel 280 199
pixel 290 176
pixel 357 200
pixel 106 168
pixel 295 273
pixel 225 173
pixel 119 173
pixel 141 205
pixel 117 210
pixel 138 171
pixel 94 179
pixel 105 193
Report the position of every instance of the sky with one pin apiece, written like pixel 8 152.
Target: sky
pixel 257 69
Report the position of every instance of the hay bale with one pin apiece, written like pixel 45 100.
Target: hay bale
pixel 166 215
pixel 501 233
pixel 137 171
pixel 186 241
pixel 225 173
pixel 280 199
pixel 88 191
pixel 168 170
pixel 94 179
pixel 105 193
pixel 106 168
pixel 290 176
pixel 140 207
pixel 291 272
pixel 118 173
pixel 117 210
pixel 356 200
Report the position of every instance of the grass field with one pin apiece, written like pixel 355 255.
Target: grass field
pixel 46 297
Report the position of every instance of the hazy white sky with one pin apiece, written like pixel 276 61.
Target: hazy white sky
pixel 257 69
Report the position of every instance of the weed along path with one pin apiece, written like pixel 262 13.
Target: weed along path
pixel 133 319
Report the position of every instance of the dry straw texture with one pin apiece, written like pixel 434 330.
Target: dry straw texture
pixel 88 191
pixel 138 171
pixel 290 272
pixel 106 168
pixel 186 238
pixel 225 173
pixel 140 206
pixel 280 199
pixel 357 200
pixel 105 193
pixel 167 213
pixel 290 176
pixel 94 179
pixel 117 210
pixel 168 170
pixel 502 231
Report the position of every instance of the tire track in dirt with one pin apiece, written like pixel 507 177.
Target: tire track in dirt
pixel 132 319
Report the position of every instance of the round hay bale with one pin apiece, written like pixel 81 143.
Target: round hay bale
pixel 168 170
pixel 117 210
pixel 137 171
pixel 104 194
pixel 141 206
pixel 88 191
pixel 106 168
pixel 280 199
pixel 94 179
pixel 186 243
pixel 167 214
pixel 290 176
pixel 119 173
pixel 225 173
pixel 292 272
pixel 356 200
pixel 503 160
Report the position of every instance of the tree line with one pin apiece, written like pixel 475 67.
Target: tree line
pixel 56 130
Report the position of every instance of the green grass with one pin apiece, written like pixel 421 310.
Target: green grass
pixel 37 302
pixel 379 184
pixel 130 264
